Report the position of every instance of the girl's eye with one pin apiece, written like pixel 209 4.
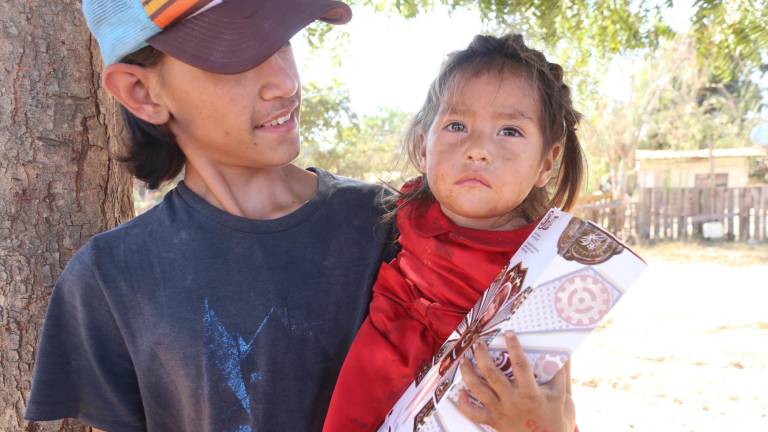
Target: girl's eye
pixel 510 132
pixel 456 127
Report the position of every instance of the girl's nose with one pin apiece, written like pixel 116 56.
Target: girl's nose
pixel 477 157
pixel 476 151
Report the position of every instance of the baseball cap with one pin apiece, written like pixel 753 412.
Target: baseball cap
pixel 221 36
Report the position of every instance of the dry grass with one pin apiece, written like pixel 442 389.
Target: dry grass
pixel 726 253
pixel 685 349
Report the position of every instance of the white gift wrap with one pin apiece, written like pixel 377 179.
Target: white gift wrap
pixel 555 290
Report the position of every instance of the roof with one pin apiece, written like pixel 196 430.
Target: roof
pixel 700 154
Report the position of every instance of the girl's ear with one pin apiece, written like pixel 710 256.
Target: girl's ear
pixel 548 165
pixel 131 85
pixel 422 154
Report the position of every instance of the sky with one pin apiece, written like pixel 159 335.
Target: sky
pixel 390 61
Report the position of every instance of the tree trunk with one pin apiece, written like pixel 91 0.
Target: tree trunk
pixel 58 185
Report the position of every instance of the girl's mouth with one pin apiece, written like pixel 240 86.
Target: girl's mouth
pixel 473 180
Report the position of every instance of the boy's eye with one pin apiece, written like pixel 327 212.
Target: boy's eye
pixel 456 127
pixel 510 132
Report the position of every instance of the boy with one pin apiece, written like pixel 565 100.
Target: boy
pixel 230 305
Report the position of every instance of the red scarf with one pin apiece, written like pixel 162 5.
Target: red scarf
pixel 418 300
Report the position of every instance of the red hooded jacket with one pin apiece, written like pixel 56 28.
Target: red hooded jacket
pixel 418 300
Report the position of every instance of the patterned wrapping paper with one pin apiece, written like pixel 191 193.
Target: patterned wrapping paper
pixel 555 290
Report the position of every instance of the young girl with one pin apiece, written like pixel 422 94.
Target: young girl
pixel 496 145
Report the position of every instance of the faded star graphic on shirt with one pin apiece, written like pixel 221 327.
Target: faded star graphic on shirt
pixel 228 350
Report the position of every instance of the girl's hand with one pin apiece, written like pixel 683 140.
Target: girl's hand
pixel 521 405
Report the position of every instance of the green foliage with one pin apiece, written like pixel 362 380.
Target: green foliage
pixel 696 109
pixel 335 138
pixel 326 115
pixel 676 103
pixel 732 36
pixel 596 27
pixel 758 170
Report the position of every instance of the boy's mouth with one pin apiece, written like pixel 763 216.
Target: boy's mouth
pixel 280 119
pixel 277 122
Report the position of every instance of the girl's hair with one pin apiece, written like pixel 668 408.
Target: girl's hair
pixel 152 154
pixel 557 117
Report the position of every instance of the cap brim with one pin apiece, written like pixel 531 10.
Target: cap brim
pixel 238 35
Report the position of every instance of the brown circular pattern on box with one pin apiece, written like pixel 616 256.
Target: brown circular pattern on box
pixel 586 244
pixel 582 300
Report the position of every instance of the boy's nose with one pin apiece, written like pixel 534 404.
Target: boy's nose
pixel 280 78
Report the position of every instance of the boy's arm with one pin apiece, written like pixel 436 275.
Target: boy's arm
pixel 83 369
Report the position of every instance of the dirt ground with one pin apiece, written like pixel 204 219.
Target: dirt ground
pixel 686 349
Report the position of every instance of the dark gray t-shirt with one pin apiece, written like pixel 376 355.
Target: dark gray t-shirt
pixel 188 318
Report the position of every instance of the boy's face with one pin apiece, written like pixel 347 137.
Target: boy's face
pixel 247 120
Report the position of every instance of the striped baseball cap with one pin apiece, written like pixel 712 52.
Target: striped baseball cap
pixel 221 36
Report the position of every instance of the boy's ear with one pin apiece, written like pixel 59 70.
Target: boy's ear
pixel 548 165
pixel 422 154
pixel 130 85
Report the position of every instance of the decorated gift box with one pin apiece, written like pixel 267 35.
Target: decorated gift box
pixel 555 290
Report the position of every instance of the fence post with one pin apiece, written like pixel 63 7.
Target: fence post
pixel 719 210
pixel 667 214
pixel 764 214
pixel 682 218
pixel 698 195
pixel 756 201
pixel 643 215
pixel 658 204
pixel 730 198
pixel 743 214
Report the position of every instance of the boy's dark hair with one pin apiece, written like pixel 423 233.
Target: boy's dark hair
pixel 558 119
pixel 152 155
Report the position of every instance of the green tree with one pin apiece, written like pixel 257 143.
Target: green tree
pixel 697 110
pixel 732 36
pixel 677 102
pixel 335 138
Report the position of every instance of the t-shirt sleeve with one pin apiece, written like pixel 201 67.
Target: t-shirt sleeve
pixel 83 369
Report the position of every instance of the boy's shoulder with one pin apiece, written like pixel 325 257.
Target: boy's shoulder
pixel 111 248
pixel 104 248
pixel 348 186
pixel 343 183
pixel 345 193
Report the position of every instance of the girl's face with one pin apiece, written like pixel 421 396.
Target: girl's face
pixel 484 152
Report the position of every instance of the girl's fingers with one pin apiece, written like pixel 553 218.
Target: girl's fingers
pixel 473 412
pixel 480 390
pixel 495 377
pixel 558 385
pixel 567 368
pixel 523 373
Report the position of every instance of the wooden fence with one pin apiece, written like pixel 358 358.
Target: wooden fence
pixel 657 214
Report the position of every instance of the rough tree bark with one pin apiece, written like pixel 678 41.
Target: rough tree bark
pixel 58 185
